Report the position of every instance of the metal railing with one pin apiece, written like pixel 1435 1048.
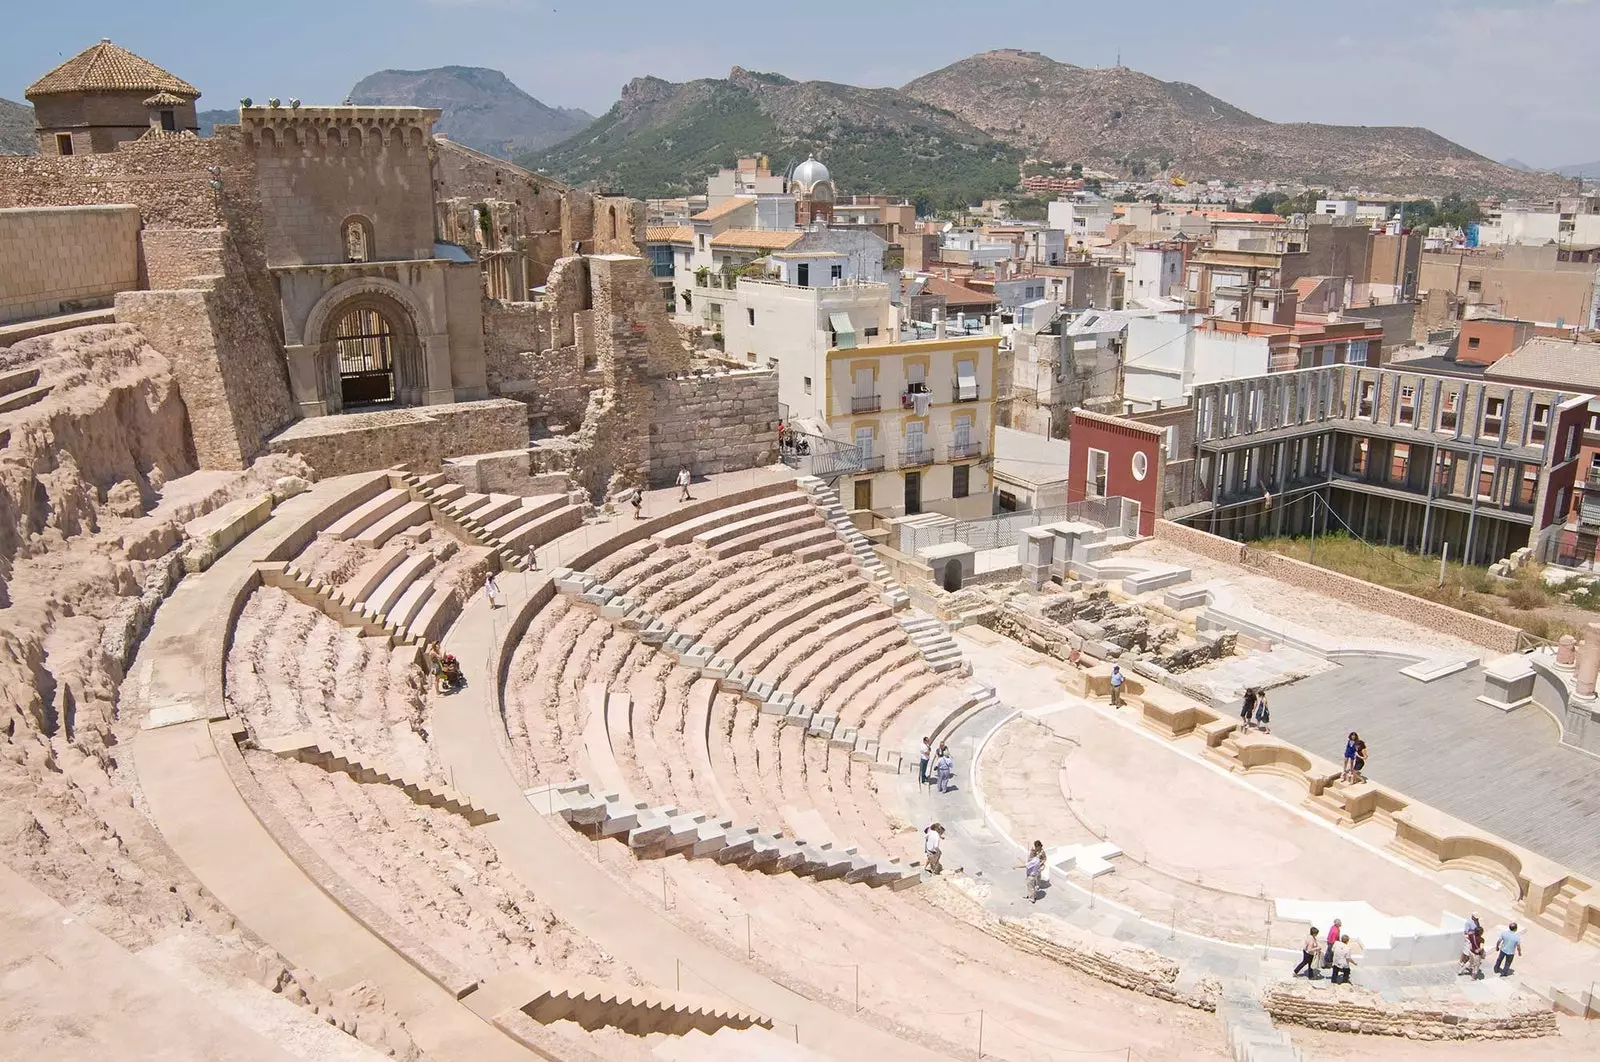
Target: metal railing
pixel 866 403
pixel 965 451
pixel 870 464
pixel 993 532
pixel 916 457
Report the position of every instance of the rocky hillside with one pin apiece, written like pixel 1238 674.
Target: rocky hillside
pixel 664 138
pixel 1130 123
pixel 16 129
pixel 482 108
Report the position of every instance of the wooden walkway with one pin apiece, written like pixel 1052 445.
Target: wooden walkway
pixel 1505 773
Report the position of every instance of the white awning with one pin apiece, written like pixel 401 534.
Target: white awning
pixel 844 333
pixel 966 374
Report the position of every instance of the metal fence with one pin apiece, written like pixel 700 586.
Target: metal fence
pixel 994 532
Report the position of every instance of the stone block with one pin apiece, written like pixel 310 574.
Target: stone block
pixel 1507 683
pixel 798 715
pixel 822 726
pixel 678 643
pixel 655 633
pixel 735 680
pixel 617 607
pixel 843 738
pixel 719 667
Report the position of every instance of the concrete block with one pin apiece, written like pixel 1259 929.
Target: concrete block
pixel 678 643
pixel 617 607
pixel 655 633
pixel 736 680
pixel 843 738
pixel 719 667
pixel 798 715
pixel 219 531
pixel 822 726
pixel 698 658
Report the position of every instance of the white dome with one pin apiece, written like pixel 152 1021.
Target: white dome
pixel 810 173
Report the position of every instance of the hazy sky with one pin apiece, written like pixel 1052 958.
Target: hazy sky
pixel 1504 77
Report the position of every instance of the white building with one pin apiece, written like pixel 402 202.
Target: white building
pixel 1166 356
pixel 1079 219
pixel 1155 273
pixel 1572 220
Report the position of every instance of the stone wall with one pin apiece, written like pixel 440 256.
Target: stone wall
pixel 1491 634
pixel 61 259
pixel 226 359
pixel 523 365
pixel 466 176
pixel 173 258
pixel 418 437
pixel 1359 1010
pixel 719 423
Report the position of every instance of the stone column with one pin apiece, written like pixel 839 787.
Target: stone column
pixel 436 386
pixel 1588 661
pixel 305 379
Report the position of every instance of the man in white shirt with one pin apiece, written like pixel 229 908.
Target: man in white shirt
pixel 1341 961
pixel 683 484
pixel 1116 685
pixel 933 838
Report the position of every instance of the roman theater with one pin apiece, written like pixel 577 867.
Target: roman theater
pixel 293 409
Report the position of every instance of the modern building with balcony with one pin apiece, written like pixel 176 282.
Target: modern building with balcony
pixel 1395 457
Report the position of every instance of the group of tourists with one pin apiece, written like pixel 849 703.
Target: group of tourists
pixel 1036 872
pixel 1335 954
pixel 1255 715
pixel 1507 948
pixel 1355 759
pixel 684 478
pixel 936 764
pixel 441 668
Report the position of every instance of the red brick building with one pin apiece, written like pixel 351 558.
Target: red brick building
pixel 1112 457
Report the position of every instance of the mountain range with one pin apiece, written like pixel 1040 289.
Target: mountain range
pixel 664 138
pixel 482 108
pixel 16 129
pixel 958 129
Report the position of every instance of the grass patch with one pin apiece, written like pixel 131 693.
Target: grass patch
pixel 1523 601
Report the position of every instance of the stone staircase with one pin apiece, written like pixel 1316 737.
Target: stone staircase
pixel 826 499
pixel 390 597
pixel 1251 1035
pixel 307 748
pixel 507 524
pixel 19 388
pixel 511 1000
pixel 933 638
pixel 652 832
pixel 750 1046
pixel 698 656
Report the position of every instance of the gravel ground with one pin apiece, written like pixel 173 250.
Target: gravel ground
pixel 1304 607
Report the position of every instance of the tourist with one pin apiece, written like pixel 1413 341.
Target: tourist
pixel 1116 685
pixel 491 589
pixel 637 501
pixel 1247 714
pixel 1308 954
pixel 1341 960
pixel 1333 938
pixel 1474 956
pixel 1350 757
pixel 927 753
pixel 1033 868
pixel 932 842
pixel 683 484
pixel 1471 934
pixel 430 662
pixel 1359 764
pixel 1263 716
pixel 533 559
pixel 1509 947
pixel 943 768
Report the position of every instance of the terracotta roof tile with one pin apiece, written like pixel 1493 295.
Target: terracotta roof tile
pixel 724 208
pixel 105 67
pixel 763 239
pixel 669 234
pixel 956 295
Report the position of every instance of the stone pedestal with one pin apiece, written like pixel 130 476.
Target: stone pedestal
pixel 1567 652
pixel 1588 660
pixel 1036 553
pixel 1507 683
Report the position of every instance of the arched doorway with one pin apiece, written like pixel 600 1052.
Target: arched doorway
pixel 370 354
pixel 363 344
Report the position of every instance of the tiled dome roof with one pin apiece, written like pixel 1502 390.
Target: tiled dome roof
pixel 104 67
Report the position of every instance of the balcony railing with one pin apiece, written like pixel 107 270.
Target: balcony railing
pixel 866 403
pixel 916 458
pixel 965 451
pixel 869 464
pixel 964 392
